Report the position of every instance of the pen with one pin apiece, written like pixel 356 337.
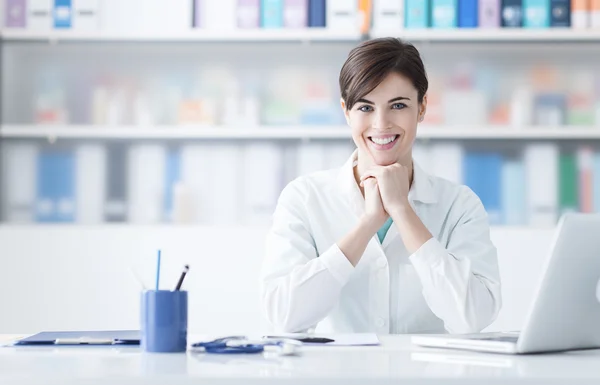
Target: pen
pixel 158 270
pixel 182 277
pixel 313 340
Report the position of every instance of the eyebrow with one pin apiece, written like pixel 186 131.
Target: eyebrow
pixel 389 101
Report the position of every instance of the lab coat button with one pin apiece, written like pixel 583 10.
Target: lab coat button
pixel 381 262
pixel 380 322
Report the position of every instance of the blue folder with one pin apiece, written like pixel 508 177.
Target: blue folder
pixel 111 337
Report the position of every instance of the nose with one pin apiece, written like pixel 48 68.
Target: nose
pixel 381 120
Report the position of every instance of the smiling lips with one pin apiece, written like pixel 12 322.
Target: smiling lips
pixel 383 142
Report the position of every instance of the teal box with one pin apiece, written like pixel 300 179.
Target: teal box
pixel 443 13
pixel 417 14
pixel 537 13
pixel 271 13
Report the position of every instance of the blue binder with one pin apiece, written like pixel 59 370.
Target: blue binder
pixel 109 337
pixel 316 13
pixel 468 13
pixel 63 11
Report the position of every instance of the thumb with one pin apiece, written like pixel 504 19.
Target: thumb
pixel 370 186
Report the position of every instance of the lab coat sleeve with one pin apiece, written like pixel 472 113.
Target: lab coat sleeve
pixel 461 281
pixel 299 287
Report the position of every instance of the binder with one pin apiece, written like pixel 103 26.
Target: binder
pixel 489 13
pixel 560 13
pixel 216 15
pixel 86 14
pixel 512 13
pixel 541 171
pixel 596 182
pixel 468 13
pixel 447 161
pixel 514 193
pixel 62 13
pixel 15 13
pixel 568 191
pixel 147 163
pixel 317 12
pixel 536 13
pixel 19 168
pixel 388 15
pixel 115 206
pixel 595 14
pixel 112 337
pixel 581 14
pixel 483 174
pixel 295 13
pixel 342 15
pixel 417 14
pixel 248 13
pixel 271 13
pixel 55 186
pixel 172 177
pixel 585 167
pixel 443 13
pixel 39 14
pixel 197 14
pixel 90 183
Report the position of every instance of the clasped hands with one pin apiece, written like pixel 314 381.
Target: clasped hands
pixel 386 192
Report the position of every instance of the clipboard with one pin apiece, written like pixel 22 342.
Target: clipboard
pixel 75 338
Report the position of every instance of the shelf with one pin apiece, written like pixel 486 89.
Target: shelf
pixel 285 132
pixel 494 35
pixel 311 34
pixel 175 132
pixel 220 228
pixel 241 35
pixel 505 132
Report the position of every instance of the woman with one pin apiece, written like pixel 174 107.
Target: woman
pixel 379 245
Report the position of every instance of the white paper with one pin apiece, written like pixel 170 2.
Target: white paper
pixel 352 339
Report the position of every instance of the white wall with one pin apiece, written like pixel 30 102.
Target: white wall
pixel 75 277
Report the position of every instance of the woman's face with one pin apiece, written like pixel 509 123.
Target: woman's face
pixel 384 122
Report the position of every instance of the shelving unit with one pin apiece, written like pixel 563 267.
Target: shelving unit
pixel 288 132
pixel 517 35
pixel 241 35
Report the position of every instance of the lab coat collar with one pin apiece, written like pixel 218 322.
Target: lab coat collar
pixel 420 191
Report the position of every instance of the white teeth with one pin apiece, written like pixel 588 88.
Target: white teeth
pixel 383 141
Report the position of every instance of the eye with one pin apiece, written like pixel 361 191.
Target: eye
pixel 398 106
pixel 365 108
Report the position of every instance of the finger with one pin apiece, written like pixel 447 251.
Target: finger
pixel 369 155
pixel 373 172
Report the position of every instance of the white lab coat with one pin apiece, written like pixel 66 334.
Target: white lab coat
pixel 450 284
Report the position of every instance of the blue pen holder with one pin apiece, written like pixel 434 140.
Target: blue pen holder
pixel 163 319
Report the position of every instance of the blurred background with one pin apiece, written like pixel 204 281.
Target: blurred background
pixel 129 126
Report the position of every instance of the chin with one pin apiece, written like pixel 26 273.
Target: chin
pixel 385 160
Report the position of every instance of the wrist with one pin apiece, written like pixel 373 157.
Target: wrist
pixel 369 225
pixel 400 211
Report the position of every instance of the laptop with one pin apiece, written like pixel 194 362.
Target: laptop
pixel 565 314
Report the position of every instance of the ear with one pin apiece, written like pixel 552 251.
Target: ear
pixel 422 109
pixel 346 112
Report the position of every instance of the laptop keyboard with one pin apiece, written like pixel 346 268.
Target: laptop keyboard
pixel 500 338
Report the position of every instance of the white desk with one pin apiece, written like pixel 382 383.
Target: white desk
pixel 394 362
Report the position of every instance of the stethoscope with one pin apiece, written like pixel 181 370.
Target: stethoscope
pixel 242 345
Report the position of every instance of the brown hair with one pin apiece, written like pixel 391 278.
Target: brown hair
pixel 372 60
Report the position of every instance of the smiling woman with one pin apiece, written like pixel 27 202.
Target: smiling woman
pixel 378 245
